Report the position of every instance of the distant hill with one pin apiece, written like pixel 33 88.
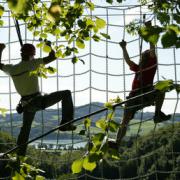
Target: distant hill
pixel 48 119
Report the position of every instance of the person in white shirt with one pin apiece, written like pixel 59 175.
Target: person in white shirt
pixel 32 100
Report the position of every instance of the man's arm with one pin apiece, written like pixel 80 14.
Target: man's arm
pixel 2 46
pixel 125 53
pixel 49 58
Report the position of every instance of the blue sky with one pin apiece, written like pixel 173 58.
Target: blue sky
pixel 91 82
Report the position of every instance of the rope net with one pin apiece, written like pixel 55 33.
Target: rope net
pixel 103 76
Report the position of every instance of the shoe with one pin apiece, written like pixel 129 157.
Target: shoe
pixel 113 144
pixel 68 127
pixel 161 117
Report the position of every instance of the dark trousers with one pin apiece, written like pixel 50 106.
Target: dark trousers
pixel 41 102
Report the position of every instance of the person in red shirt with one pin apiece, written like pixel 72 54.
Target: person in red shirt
pixel 142 83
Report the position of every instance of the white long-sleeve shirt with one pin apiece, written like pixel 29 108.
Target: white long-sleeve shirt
pixel 24 83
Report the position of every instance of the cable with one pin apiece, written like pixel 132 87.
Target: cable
pixel 18 31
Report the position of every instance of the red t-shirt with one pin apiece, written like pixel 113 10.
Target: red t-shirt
pixel 144 76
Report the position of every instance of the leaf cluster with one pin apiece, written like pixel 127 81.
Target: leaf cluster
pixel 98 146
pixel 22 170
pixel 168 14
pixel 62 19
pixel 42 71
pixel 1 14
pixel 167 85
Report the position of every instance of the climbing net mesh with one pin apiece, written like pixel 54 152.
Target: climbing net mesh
pixel 103 76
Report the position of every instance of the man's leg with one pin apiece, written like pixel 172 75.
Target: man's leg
pixel 159 115
pixel 159 99
pixel 67 105
pixel 24 132
pixel 123 127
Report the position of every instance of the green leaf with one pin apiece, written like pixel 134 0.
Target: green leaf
pixel 109 105
pixel 95 29
pixel 75 50
pixel 87 123
pixel 43 35
pixel 36 33
pixel 113 126
pixel 54 12
pixel 17 6
pixel 46 48
pixel 67 36
pixel 74 60
pixel 40 45
pixel 104 145
pixel 133 27
pixel 90 5
pixel 40 178
pixel 71 39
pixel 164 86
pixel 51 70
pixel 174 28
pixel 100 23
pixel 177 87
pixel 1 22
pixel 3 111
pixel 80 43
pixel 17 176
pixel 110 116
pixel 77 166
pixel 97 139
pixel 81 23
pixel 1 10
pixel 82 132
pixel 59 53
pixel 101 124
pixel 96 38
pixel 68 51
pixel 169 39
pixel 109 1
pixel 163 17
pixel 57 31
pixel 150 34
pixel 90 166
pixel 105 35
pixel 90 23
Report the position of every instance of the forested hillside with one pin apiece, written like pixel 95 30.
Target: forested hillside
pixel 155 154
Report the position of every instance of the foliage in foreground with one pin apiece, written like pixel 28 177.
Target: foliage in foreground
pixel 156 155
pixel 156 151
pixel 64 19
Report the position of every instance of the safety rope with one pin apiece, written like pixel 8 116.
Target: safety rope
pixel 16 23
